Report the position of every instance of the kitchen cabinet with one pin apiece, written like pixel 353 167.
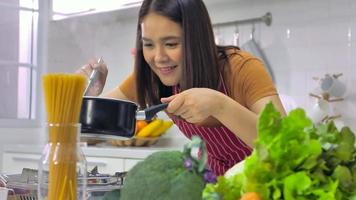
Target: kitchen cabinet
pixel 105 165
pixel 13 163
pixel 108 159
pixel 129 163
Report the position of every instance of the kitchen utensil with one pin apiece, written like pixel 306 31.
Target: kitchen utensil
pixel 97 184
pixel 93 76
pixel 3 193
pixel 320 110
pixel 3 180
pixel 332 86
pixel 236 37
pixel 108 118
pixel 255 49
pixel 237 168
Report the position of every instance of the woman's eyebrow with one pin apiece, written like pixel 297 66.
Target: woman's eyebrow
pixel 170 38
pixel 162 39
pixel 146 39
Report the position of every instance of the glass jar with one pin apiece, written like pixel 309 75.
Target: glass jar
pixel 63 168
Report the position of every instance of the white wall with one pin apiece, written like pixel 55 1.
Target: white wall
pixel 72 42
pixel 306 39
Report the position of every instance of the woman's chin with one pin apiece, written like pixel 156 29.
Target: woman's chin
pixel 169 82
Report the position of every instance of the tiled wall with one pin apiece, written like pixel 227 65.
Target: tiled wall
pixel 307 38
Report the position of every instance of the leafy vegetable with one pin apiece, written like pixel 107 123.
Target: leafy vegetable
pixel 229 187
pixel 293 159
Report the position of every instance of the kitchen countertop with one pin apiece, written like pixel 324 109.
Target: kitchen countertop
pixel 102 150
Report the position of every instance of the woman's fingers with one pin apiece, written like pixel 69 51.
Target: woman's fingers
pixel 183 112
pixel 100 66
pixel 175 105
pixel 85 70
pixel 168 99
pixel 99 81
pixel 93 61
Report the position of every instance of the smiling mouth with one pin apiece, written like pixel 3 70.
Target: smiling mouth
pixel 166 70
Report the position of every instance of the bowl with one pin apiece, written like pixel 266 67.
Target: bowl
pixel 237 168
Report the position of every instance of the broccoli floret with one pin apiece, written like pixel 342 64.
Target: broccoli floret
pixel 112 195
pixel 162 176
pixel 187 185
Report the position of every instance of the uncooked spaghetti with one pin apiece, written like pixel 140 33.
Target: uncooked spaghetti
pixel 63 95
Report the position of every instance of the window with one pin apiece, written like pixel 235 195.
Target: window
pixel 18 60
pixel 66 8
pixel 23 33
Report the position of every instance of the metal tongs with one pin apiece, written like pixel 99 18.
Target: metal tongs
pixel 93 76
pixel 3 180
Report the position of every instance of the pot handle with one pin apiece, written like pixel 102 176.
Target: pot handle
pixel 150 112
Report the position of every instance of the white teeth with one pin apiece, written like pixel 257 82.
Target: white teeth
pixel 167 68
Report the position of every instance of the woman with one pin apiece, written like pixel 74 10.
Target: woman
pixel 213 91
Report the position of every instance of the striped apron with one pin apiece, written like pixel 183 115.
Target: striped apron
pixel 224 148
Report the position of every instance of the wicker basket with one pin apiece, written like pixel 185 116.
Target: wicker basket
pixel 91 141
pixel 138 142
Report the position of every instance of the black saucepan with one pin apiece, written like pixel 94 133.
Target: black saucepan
pixel 107 118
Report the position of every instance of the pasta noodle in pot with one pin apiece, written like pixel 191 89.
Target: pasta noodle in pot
pixel 63 95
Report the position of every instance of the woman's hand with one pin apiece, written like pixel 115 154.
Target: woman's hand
pixel 99 82
pixel 196 104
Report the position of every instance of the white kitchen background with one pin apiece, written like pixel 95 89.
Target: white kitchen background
pixel 307 38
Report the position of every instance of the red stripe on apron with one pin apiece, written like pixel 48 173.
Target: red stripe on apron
pixel 224 148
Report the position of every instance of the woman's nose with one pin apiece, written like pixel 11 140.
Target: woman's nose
pixel 161 55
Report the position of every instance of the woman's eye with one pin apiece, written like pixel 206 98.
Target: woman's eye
pixel 172 45
pixel 147 45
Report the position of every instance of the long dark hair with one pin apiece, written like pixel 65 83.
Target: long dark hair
pixel 200 54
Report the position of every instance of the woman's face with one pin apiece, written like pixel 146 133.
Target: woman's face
pixel 162 47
